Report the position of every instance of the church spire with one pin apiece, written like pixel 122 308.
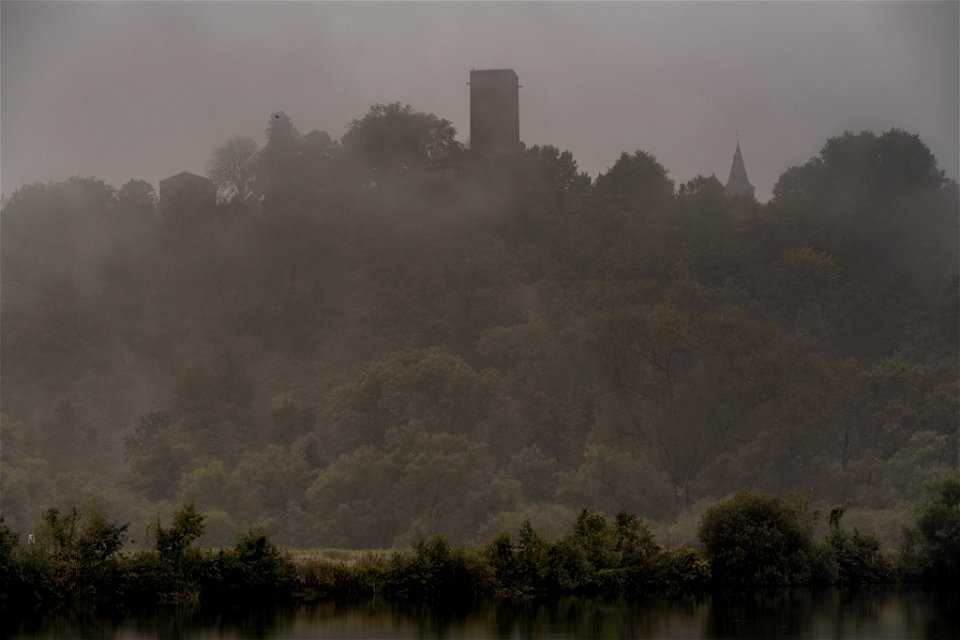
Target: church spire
pixel 738 184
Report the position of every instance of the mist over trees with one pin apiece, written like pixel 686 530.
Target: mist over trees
pixel 369 338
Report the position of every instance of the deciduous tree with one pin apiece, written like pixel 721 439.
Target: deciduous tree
pixel 233 166
pixel 395 136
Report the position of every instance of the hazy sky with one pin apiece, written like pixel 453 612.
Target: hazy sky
pixel 124 90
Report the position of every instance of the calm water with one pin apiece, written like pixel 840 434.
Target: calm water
pixel 797 613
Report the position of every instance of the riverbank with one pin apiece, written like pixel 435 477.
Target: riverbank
pixel 750 540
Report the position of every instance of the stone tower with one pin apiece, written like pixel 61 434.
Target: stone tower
pixel 737 184
pixel 494 111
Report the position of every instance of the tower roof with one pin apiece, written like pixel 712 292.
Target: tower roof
pixel 738 172
pixel 738 183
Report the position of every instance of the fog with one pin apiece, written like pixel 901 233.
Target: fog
pixel 144 90
pixel 357 331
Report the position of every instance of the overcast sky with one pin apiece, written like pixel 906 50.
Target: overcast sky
pixel 124 90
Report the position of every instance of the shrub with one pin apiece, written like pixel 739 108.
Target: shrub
pixel 13 593
pixel 823 564
pixel 322 579
pixel 586 559
pixel 521 566
pixel 680 569
pixel 187 526
pixel 638 552
pixel 172 572
pixel 857 555
pixel 501 556
pixel 931 549
pixel 254 570
pixel 75 557
pixel 532 555
pixel 758 539
pixel 435 571
pixel 600 557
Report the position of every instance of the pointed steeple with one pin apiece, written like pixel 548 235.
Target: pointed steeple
pixel 738 184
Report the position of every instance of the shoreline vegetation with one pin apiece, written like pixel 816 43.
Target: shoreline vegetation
pixel 749 540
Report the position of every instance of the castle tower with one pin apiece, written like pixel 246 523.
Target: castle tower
pixel 494 111
pixel 737 184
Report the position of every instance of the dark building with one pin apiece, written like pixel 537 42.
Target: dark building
pixel 737 183
pixel 494 111
pixel 186 185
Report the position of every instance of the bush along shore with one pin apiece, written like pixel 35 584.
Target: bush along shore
pixel 749 540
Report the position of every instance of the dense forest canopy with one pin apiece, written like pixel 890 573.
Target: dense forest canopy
pixel 369 338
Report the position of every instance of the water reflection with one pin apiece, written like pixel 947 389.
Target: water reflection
pixel 779 613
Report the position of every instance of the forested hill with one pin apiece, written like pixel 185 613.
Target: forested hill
pixel 368 338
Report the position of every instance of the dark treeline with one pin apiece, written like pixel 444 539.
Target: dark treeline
pixel 366 340
pixel 752 539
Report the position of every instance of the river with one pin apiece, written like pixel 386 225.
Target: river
pixel 877 613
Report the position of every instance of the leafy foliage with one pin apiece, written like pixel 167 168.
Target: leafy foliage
pixel 390 337
pixel 640 178
pixel 394 136
pixel 73 558
pixel 931 548
pixel 756 538
pixel 232 167
pixel 856 555
pixel 749 540
pixel 255 570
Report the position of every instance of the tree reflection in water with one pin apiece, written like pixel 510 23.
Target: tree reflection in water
pixel 770 613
